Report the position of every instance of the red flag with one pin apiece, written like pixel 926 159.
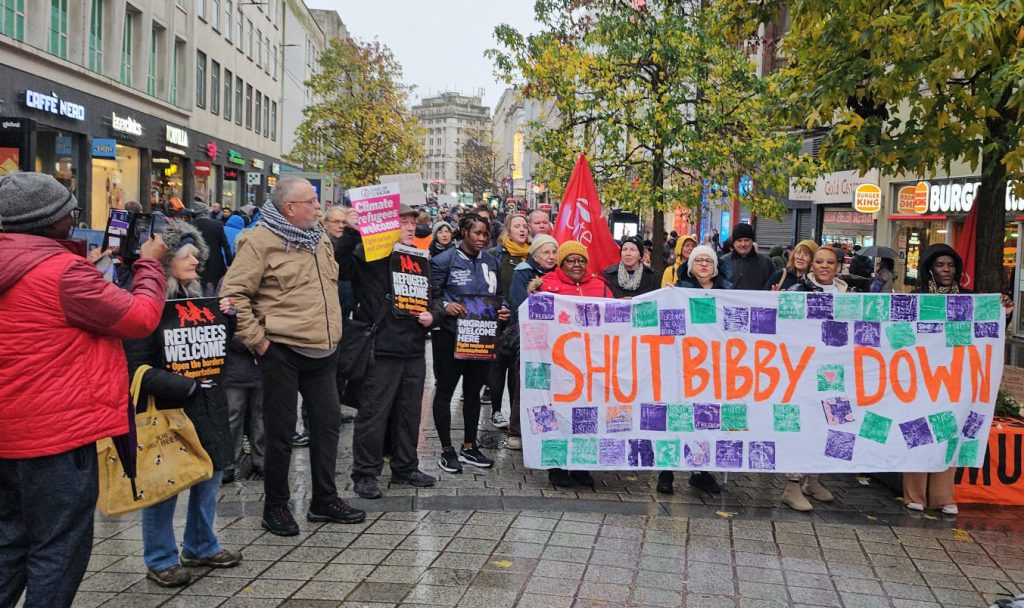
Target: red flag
pixel 966 245
pixel 581 218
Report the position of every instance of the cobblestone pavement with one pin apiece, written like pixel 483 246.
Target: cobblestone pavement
pixel 505 537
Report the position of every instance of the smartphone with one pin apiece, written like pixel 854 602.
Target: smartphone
pixel 142 230
pixel 159 223
pixel 118 223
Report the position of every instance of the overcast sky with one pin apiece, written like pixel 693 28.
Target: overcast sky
pixel 440 43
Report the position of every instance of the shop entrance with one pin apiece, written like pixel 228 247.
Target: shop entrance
pixel 115 181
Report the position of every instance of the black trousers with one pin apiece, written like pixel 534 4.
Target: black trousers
pixel 392 402
pixel 47 506
pixel 447 371
pixel 286 374
pixel 502 369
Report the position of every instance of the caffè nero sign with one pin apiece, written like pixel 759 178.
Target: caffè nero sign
pixel 54 105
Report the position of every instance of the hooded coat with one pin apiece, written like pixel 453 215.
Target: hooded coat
pixel 928 258
pixel 232 228
pixel 63 376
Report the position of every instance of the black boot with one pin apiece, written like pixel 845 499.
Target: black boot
pixel 665 480
pixel 560 478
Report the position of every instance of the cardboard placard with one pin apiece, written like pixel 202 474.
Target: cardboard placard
pixel 194 338
pixel 998 481
pixel 379 224
pixel 477 331
pixel 410 280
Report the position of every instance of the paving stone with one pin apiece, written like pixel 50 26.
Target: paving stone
pixel 814 597
pixel 700 600
pixel 858 585
pixel 648 596
pixel 860 600
pixel 316 590
pixel 910 592
pixel 379 592
pixel 551 586
pixel 607 592
pixel 530 600
pixel 488 598
pixel 437 595
pixel 763 591
pixel 609 574
pixel 270 588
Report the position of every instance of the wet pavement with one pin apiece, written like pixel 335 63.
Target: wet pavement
pixel 505 537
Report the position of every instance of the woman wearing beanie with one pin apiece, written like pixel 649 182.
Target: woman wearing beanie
pixel 702 273
pixel 540 262
pixel 630 277
pixel 442 238
pixel 572 278
pixel 684 248
pixel 796 269
pixel 206 406
pixel 512 249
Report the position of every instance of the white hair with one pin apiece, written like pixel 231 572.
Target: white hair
pixel 283 189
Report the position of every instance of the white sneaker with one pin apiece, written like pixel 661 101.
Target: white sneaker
pixel 515 443
pixel 499 420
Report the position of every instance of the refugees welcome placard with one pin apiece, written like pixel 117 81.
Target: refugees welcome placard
pixel 759 381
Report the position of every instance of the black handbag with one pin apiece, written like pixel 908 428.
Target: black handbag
pixel 355 352
pixel 508 341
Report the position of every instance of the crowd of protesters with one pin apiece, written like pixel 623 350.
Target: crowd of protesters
pixel 294 280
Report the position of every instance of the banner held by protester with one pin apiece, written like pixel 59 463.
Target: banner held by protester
pixel 193 337
pixel 377 207
pixel 477 330
pixel 760 381
pixel 410 280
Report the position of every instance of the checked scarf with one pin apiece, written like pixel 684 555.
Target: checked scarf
pixel 276 223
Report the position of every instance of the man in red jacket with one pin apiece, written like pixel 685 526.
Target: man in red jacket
pixel 63 385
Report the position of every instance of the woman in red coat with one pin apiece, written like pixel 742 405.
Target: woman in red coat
pixel 572 277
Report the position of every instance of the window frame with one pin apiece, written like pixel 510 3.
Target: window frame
pixel 126 74
pixel 96 10
pixel 58 38
pixel 201 59
pixel 214 87
pixel 238 100
pixel 228 92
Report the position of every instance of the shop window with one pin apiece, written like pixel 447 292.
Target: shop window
pixel 238 100
pixel 96 36
pixel 259 112
pixel 227 94
pixel 59 28
pixel 248 107
pixel 127 42
pixel 12 18
pixel 201 79
pixel 115 181
pixel 214 87
pixel 266 117
pixel 273 121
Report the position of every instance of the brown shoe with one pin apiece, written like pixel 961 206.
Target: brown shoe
pixel 175 576
pixel 222 559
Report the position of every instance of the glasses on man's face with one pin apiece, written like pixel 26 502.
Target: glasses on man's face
pixel 311 201
pixel 576 261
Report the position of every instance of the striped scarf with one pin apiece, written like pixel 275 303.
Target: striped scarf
pixel 276 223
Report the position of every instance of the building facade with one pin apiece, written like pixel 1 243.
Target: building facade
pixel 304 43
pixel 144 100
pixel 449 119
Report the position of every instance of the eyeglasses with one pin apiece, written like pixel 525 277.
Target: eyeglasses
pixel 311 201
pixel 703 262
pixel 576 261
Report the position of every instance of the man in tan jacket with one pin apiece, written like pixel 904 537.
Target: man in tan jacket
pixel 284 284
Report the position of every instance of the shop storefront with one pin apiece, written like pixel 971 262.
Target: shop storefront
pixel 834 218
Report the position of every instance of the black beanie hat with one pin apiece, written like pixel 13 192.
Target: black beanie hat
pixel 742 231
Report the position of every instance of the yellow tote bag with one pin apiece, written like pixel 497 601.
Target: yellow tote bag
pixel 170 458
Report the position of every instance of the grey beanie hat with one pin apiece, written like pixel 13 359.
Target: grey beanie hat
pixel 439 225
pixel 199 208
pixel 29 201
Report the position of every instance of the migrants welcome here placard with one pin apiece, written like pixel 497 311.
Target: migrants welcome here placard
pixel 759 381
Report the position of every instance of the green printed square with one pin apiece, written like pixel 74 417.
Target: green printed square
pixel 831 378
pixel 734 417
pixel 944 425
pixel 792 305
pixel 875 427
pixel 538 375
pixel 933 308
pixel 680 417
pixel 584 450
pixel 666 453
pixel 900 335
pixel 968 454
pixel 846 307
pixel 554 452
pixel 988 308
pixel 951 449
pixel 958 333
pixel 787 417
pixel 645 314
pixel 703 310
pixel 875 308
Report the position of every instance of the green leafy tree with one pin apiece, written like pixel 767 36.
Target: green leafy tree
pixel 478 171
pixel 908 87
pixel 359 126
pixel 661 106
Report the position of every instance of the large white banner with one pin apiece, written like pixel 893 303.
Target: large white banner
pixel 759 381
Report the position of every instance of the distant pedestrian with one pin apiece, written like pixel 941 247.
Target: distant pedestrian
pixel 512 249
pixel 630 278
pixel 216 239
pixel 798 266
pixel 747 269
pixel 540 222
pixel 442 239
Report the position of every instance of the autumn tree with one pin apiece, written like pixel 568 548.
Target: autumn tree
pixel 907 87
pixel 358 126
pixel 478 171
pixel 661 106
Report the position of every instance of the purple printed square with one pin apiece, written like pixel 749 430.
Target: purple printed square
pixel 867 333
pixel 986 330
pixel 762 320
pixel 835 333
pixel 697 453
pixel 618 312
pixel 728 454
pixel 903 307
pixel 672 321
pixel 837 411
pixel 819 305
pixel 916 432
pixel 959 308
pixel 653 417
pixel 611 452
pixel 542 307
pixel 584 421
pixel 762 455
pixel 707 416
pixel 972 425
pixel 641 453
pixel 931 328
pixel 736 318
pixel 588 315
pixel 839 445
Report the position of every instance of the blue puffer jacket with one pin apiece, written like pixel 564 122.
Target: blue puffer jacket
pixel 453 274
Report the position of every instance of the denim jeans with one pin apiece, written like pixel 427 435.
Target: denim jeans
pixel 243 401
pixel 160 548
pixel 46 526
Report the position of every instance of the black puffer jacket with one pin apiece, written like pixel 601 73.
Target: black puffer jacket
pixel 399 336
pixel 207 408
pixel 648 282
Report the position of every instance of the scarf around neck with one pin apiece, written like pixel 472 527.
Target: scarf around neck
pixel 630 281
pixel 514 250
pixel 276 223
pixel 933 287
